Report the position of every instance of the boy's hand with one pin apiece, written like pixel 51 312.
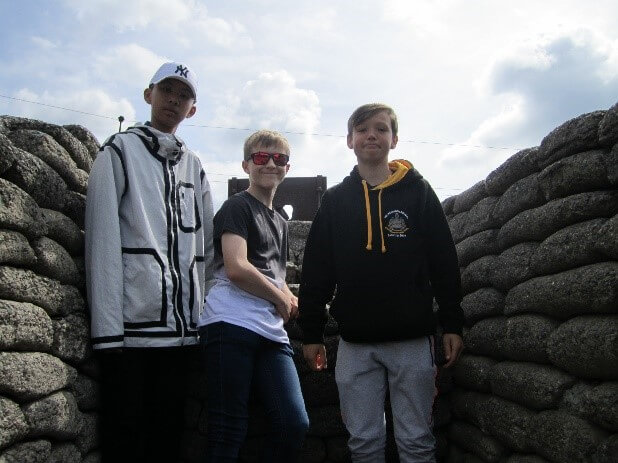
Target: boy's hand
pixel 284 308
pixel 315 356
pixel 293 306
pixel 293 301
pixel 453 345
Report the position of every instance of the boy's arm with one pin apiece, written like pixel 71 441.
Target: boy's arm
pixel 317 280
pixel 445 277
pixel 443 265
pixel 244 275
pixel 209 250
pixel 103 249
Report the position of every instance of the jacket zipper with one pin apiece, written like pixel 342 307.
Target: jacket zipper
pixel 173 254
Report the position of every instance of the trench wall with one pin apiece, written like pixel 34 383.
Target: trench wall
pixel 48 394
pixel 537 242
pixel 538 247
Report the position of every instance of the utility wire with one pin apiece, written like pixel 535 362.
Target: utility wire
pixel 121 119
pixel 58 107
pixel 315 134
pixel 344 136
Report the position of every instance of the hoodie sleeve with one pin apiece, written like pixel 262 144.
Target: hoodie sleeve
pixel 103 248
pixel 317 279
pixel 209 250
pixel 443 265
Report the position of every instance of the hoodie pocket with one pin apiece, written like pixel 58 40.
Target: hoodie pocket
pixel 382 313
pixel 144 295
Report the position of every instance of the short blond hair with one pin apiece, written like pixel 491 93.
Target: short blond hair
pixel 364 112
pixel 266 139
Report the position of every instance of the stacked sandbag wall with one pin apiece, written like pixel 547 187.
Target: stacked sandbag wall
pixel 538 249
pixel 537 242
pixel 48 394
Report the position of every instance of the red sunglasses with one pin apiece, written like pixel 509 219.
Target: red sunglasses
pixel 261 158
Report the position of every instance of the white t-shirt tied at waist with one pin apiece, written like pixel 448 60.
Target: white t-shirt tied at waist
pixel 226 302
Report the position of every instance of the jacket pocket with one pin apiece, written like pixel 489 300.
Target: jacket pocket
pixel 144 295
pixel 186 204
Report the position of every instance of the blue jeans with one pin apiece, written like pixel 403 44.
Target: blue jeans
pixel 237 358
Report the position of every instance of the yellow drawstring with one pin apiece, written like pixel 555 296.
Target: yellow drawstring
pixel 368 212
pixel 399 168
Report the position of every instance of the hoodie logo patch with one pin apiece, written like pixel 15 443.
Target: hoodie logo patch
pixel 396 224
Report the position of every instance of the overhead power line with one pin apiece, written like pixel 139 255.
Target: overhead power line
pixel 57 107
pixel 121 119
pixel 216 127
pixel 287 132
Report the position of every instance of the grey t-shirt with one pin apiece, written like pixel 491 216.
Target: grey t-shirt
pixel 266 234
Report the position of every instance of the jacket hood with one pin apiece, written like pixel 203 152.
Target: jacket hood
pixel 160 143
pixel 402 172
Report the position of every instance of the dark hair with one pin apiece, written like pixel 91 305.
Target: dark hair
pixel 364 112
pixel 266 139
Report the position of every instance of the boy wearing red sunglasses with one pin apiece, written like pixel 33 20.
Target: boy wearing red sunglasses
pixel 241 327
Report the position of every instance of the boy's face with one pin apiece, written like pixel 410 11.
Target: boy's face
pixel 269 175
pixel 373 138
pixel 171 102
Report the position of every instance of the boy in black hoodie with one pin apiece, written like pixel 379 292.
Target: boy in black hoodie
pixel 381 240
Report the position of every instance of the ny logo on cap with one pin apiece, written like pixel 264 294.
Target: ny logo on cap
pixel 183 71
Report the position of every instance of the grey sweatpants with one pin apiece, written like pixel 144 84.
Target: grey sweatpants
pixel 362 372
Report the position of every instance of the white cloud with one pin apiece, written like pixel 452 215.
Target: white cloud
pixel 330 157
pixel 51 109
pixel 539 85
pixel 422 57
pixel 424 17
pixel 218 173
pixel 185 22
pixel 556 65
pixel 607 50
pixel 484 147
pixel 224 33
pixel 136 14
pixel 273 101
pixel 43 43
pixel 127 64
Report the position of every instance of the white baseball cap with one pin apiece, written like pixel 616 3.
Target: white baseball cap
pixel 177 71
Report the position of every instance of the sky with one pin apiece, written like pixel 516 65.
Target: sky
pixel 472 81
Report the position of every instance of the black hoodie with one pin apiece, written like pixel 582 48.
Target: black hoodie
pixel 388 251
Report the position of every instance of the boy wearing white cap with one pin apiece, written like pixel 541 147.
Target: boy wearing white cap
pixel 148 267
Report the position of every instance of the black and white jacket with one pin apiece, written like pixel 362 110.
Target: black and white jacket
pixel 148 241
